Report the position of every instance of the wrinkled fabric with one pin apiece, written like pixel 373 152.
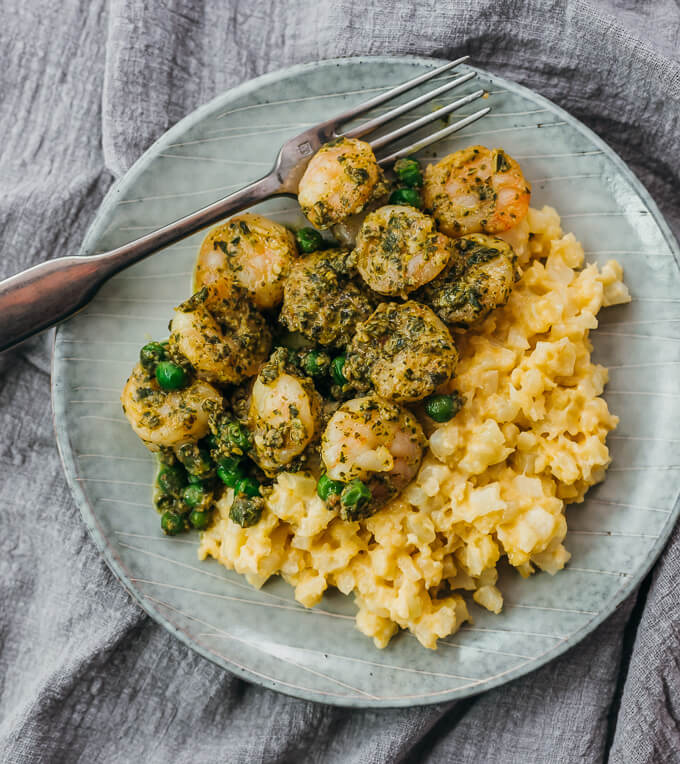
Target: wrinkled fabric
pixel 85 675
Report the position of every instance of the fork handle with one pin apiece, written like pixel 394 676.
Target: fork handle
pixel 46 294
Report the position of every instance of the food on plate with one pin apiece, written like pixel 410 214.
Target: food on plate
pixel 372 449
pixel 256 253
pixel 284 411
pixel 340 179
pixel 163 407
pixel 324 300
pixel 477 279
pixel 409 178
pixel 310 240
pixel 220 333
pixel 402 415
pixel 476 190
pixel 408 172
pixel 399 249
pixel 402 351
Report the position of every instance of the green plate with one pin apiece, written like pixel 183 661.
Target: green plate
pixel 265 636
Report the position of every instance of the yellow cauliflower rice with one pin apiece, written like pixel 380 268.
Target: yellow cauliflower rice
pixel 495 480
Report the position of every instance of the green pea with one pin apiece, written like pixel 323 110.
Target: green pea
pixel 408 172
pixel 200 520
pixel 309 240
pixel 442 408
pixel 172 523
pixel 336 370
pixel 239 436
pixel 232 439
pixel 229 472
pixel 196 460
pixel 170 376
pixel 164 501
pixel 355 494
pixel 325 487
pixel 193 495
pixel 316 363
pixel 194 479
pixel 151 354
pixel 171 479
pixel 246 511
pixel 408 196
pixel 248 486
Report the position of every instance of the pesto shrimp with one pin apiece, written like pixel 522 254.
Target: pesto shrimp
pixel 478 279
pixel 166 418
pixel 251 250
pixel 283 414
pixel 402 350
pixel 339 180
pixel 374 441
pixel 220 333
pixel 398 249
pixel 476 190
pixel 321 301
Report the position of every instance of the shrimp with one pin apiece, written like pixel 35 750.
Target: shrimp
pixel 403 350
pixel 476 190
pixel 347 231
pixel 398 249
pixel 283 414
pixel 478 279
pixel 375 441
pixel 163 418
pixel 321 301
pixel 339 180
pixel 254 252
pixel 220 333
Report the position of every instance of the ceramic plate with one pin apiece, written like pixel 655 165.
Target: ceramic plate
pixel 265 636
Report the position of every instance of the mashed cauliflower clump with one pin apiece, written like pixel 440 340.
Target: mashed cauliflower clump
pixel 494 481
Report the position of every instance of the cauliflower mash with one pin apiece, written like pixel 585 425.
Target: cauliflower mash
pixel 494 481
pixel 391 419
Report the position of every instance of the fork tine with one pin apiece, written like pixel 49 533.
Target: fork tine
pixel 383 140
pixel 367 127
pixel 362 108
pixel 430 139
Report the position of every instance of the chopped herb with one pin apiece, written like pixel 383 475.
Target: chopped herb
pixel 502 164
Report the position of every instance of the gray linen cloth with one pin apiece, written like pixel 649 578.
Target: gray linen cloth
pixel 85 675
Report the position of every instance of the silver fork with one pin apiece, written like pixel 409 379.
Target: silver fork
pixel 47 293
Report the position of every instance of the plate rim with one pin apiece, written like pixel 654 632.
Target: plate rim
pixel 116 565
